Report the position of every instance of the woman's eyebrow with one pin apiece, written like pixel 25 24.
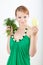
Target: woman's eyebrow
pixel 19 16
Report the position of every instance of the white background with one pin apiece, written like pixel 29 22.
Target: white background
pixel 7 9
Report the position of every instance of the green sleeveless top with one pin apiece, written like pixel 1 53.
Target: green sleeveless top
pixel 19 54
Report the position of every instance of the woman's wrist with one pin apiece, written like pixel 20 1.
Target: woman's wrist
pixel 34 36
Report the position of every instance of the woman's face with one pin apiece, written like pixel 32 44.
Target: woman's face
pixel 21 17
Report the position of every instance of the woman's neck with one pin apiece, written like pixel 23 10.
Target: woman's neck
pixel 22 27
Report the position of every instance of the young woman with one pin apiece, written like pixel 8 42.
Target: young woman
pixel 22 44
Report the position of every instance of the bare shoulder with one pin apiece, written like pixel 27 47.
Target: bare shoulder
pixel 29 28
pixel 29 31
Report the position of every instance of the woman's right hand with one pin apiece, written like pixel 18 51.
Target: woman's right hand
pixel 10 29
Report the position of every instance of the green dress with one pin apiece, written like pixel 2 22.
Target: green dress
pixel 19 54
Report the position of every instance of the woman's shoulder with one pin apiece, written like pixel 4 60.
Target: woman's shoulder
pixel 29 30
pixel 29 27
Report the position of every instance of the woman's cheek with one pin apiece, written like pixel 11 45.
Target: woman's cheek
pixel 18 20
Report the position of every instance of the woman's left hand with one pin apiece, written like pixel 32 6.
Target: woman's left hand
pixel 34 30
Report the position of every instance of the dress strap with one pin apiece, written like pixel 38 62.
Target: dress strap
pixel 12 35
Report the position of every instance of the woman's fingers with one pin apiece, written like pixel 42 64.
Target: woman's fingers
pixel 8 28
pixel 34 30
pixel 11 30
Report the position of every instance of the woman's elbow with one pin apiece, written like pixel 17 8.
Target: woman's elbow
pixel 8 49
pixel 32 53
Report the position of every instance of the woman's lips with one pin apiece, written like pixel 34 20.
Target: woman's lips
pixel 22 22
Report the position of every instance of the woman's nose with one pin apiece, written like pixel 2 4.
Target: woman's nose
pixel 22 19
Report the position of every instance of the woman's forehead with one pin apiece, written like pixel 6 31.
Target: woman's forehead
pixel 20 13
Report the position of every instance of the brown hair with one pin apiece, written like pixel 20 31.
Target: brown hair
pixel 22 9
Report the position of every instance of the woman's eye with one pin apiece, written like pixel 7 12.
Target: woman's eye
pixel 19 17
pixel 24 16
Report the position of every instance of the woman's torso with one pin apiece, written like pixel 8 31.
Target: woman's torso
pixel 19 54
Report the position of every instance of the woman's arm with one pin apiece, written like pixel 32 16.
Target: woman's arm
pixel 8 38
pixel 8 44
pixel 33 41
pixel 33 45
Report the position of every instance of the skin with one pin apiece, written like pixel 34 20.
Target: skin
pixel 32 32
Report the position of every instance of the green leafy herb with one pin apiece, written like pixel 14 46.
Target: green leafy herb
pixel 11 23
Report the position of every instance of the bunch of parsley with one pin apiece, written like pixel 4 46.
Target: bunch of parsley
pixel 11 23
